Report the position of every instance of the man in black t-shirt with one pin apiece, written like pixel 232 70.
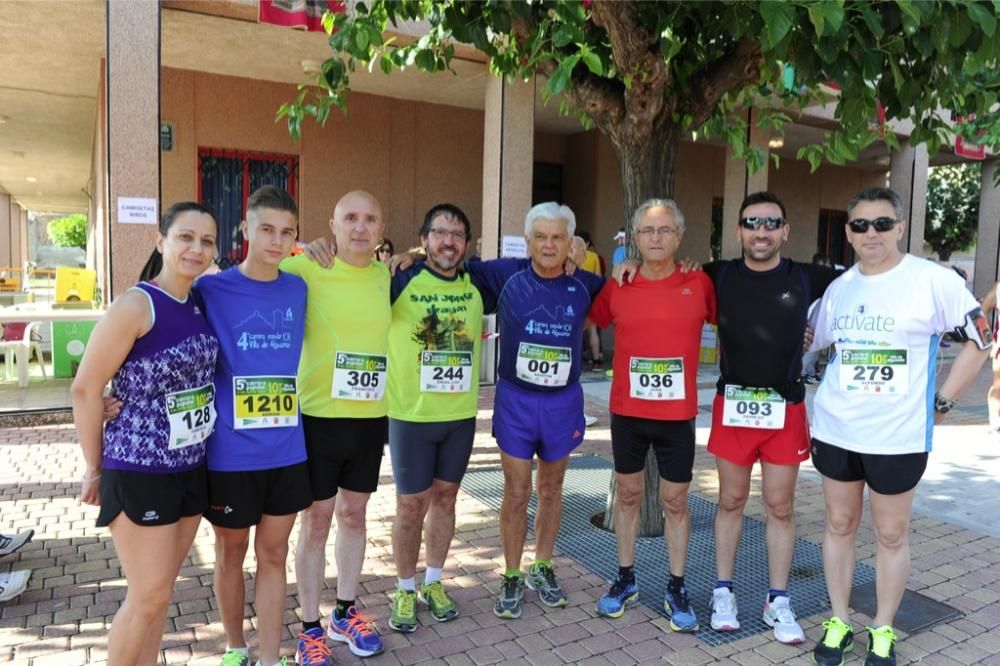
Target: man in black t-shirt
pixel 759 411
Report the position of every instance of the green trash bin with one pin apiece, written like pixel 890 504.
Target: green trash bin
pixel 69 339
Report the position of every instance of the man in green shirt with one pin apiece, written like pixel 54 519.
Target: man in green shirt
pixel 342 382
pixel 434 350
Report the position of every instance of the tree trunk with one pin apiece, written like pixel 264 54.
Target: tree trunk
pixel 651 514
pixel 647 170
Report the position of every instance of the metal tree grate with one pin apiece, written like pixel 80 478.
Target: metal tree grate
pixel 585 493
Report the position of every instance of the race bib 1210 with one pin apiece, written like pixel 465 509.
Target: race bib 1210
pixel 265 402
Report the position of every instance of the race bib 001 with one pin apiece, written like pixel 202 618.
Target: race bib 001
pixel 656 378
pixel 543 365
pixel 358 376
pixel 265 402
pixel 191 414
pixel 753 408
pixel 874 371
pixel 445 371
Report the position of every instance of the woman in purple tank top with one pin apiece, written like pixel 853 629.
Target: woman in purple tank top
pixel 146 467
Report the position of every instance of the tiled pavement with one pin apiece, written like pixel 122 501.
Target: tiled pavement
pixel 76 586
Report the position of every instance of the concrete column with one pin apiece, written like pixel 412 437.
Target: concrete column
pixel 738 183
pixel 908 177
pixel 508 158
pixel 988 235
pixel 18 236
pixel 25 236
pixel 132 91
pixel 5 230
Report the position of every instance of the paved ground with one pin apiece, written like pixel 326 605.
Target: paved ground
pixel 63 617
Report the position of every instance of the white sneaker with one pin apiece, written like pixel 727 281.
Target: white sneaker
pixel 779 615
pixel 13 583
pixel 9 543
pixel 724 610
pixel 589 420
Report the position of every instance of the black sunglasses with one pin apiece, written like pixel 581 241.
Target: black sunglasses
pixel 769 223
pixel 882 224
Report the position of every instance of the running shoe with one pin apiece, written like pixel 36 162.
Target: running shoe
pixel 678 609
pixel 13 583
pixel 441 606
pixel 619 597
pixel 589 420
pixel 355 630
pixel 542 579
pixel 778 615
pixel 598 366
pixel 235 658
pixel 724 610
pixel 10 543
pixel 404 611
pixel 881 646
pixel 508 605
pixel 838 640
pixel 312 649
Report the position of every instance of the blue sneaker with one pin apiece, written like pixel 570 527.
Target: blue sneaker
pixel 312 649
pixel 619 597
pixel 359 634
pixel 678 609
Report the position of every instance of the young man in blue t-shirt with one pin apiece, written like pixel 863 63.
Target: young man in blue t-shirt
pixel 257 471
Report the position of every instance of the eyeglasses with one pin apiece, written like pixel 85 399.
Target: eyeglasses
pixel 441 234
pixel 769 223
pixel 658 231
pixel 882 224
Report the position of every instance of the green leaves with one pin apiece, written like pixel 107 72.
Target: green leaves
pixel 779 16
pixel 557 82
pixel 826 16
pixel 979 12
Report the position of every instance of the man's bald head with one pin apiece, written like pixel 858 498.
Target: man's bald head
pixel 355 198
pixel 357 225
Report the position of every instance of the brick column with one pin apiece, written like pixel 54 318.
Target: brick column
pixel 508 158
pixel 132 92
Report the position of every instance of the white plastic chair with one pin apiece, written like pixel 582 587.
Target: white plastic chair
pixel 22 349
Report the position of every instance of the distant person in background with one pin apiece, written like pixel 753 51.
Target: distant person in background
pixel 588 261
pixel 384 251
pixel 993 395
pixel 810 375
pixel 595 262
pixel 619 253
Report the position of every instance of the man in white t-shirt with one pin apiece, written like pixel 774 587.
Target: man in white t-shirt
pixel 875 410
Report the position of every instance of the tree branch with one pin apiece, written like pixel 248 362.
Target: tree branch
pixel 600 98
pixel 635 51
pixel 728 73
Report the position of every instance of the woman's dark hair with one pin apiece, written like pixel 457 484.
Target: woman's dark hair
pixel 386 244
pixel 155 262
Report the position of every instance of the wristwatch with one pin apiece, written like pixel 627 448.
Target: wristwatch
pixel 943 405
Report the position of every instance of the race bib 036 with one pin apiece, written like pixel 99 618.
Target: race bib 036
pixel 656 378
